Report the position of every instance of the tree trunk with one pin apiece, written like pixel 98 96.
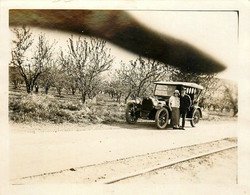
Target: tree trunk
pixel 84 94
pixel 59 91
pixel 73 90
pixel 119 98
pixel 46 89
pixel 31 85
pixel 15 84
pixel 138 91
pixel 126 98
pixel 37 88
pixel 28 88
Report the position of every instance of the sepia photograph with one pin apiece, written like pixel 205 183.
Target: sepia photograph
pixel 105 96
pixel 123 96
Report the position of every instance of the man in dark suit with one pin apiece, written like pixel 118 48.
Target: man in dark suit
pixel 185 103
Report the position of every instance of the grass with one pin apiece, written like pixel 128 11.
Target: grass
pixel 48 108
pixel 24 108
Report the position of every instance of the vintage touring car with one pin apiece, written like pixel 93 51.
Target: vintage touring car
pixel 156 107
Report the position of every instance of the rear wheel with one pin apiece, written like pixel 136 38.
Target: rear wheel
pixel 161 118
pixel 195 118
pixel 131 117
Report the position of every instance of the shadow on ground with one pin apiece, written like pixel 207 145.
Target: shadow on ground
pixel 144 125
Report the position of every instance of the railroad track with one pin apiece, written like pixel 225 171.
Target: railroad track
pixel 109 178
pixel 161 166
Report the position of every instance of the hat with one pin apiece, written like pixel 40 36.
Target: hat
pixel 177 91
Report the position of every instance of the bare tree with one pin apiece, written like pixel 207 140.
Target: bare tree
pixel 45 80
pixel 15 77
pixel 30 61
pixel 71 83
pixel 208 81
pixel 138 75
pixel 114 87
pixel 59 80
pixel 230 98
pixel 85 61
pixel 54 76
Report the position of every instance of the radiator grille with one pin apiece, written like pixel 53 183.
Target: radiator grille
pixel 147 104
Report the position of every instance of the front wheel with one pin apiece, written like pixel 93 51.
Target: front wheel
pixel 161 118
pixel 131 117
pixel 195 118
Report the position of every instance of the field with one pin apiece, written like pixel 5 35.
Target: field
pixel 25 108
pixel 51 108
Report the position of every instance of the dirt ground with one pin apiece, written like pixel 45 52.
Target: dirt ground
pixel 218 168
pixel 39 149
pixel 33 127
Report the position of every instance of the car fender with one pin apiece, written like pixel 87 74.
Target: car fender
pixel 192 110
pixel 199 109
pixel 135 104
pixel 131 102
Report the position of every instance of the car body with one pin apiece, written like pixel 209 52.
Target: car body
pixel 156 107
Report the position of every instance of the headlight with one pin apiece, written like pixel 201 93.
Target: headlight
pixel 155 102
pixel 162 103
pixel 138 101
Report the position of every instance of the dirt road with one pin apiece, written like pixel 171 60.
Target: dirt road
pixel 47 148
pixel 220 167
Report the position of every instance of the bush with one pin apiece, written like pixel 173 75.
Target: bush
pixel 209 115
pixel 48 108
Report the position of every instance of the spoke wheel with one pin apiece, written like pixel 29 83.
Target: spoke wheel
pixel 161 118
pixel 195 118
pixel 131 117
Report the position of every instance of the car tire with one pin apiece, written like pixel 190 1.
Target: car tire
pixel 195 118
pixel 131 117
pixel 161 118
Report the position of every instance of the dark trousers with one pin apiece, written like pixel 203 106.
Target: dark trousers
pixel 183 116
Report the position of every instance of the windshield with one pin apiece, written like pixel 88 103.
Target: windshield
pixel 164 90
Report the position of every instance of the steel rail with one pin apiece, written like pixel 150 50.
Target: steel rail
pixel 141 172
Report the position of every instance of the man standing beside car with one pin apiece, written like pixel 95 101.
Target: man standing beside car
pixel 185 103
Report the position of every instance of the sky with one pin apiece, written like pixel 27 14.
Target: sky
pixel 215 33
